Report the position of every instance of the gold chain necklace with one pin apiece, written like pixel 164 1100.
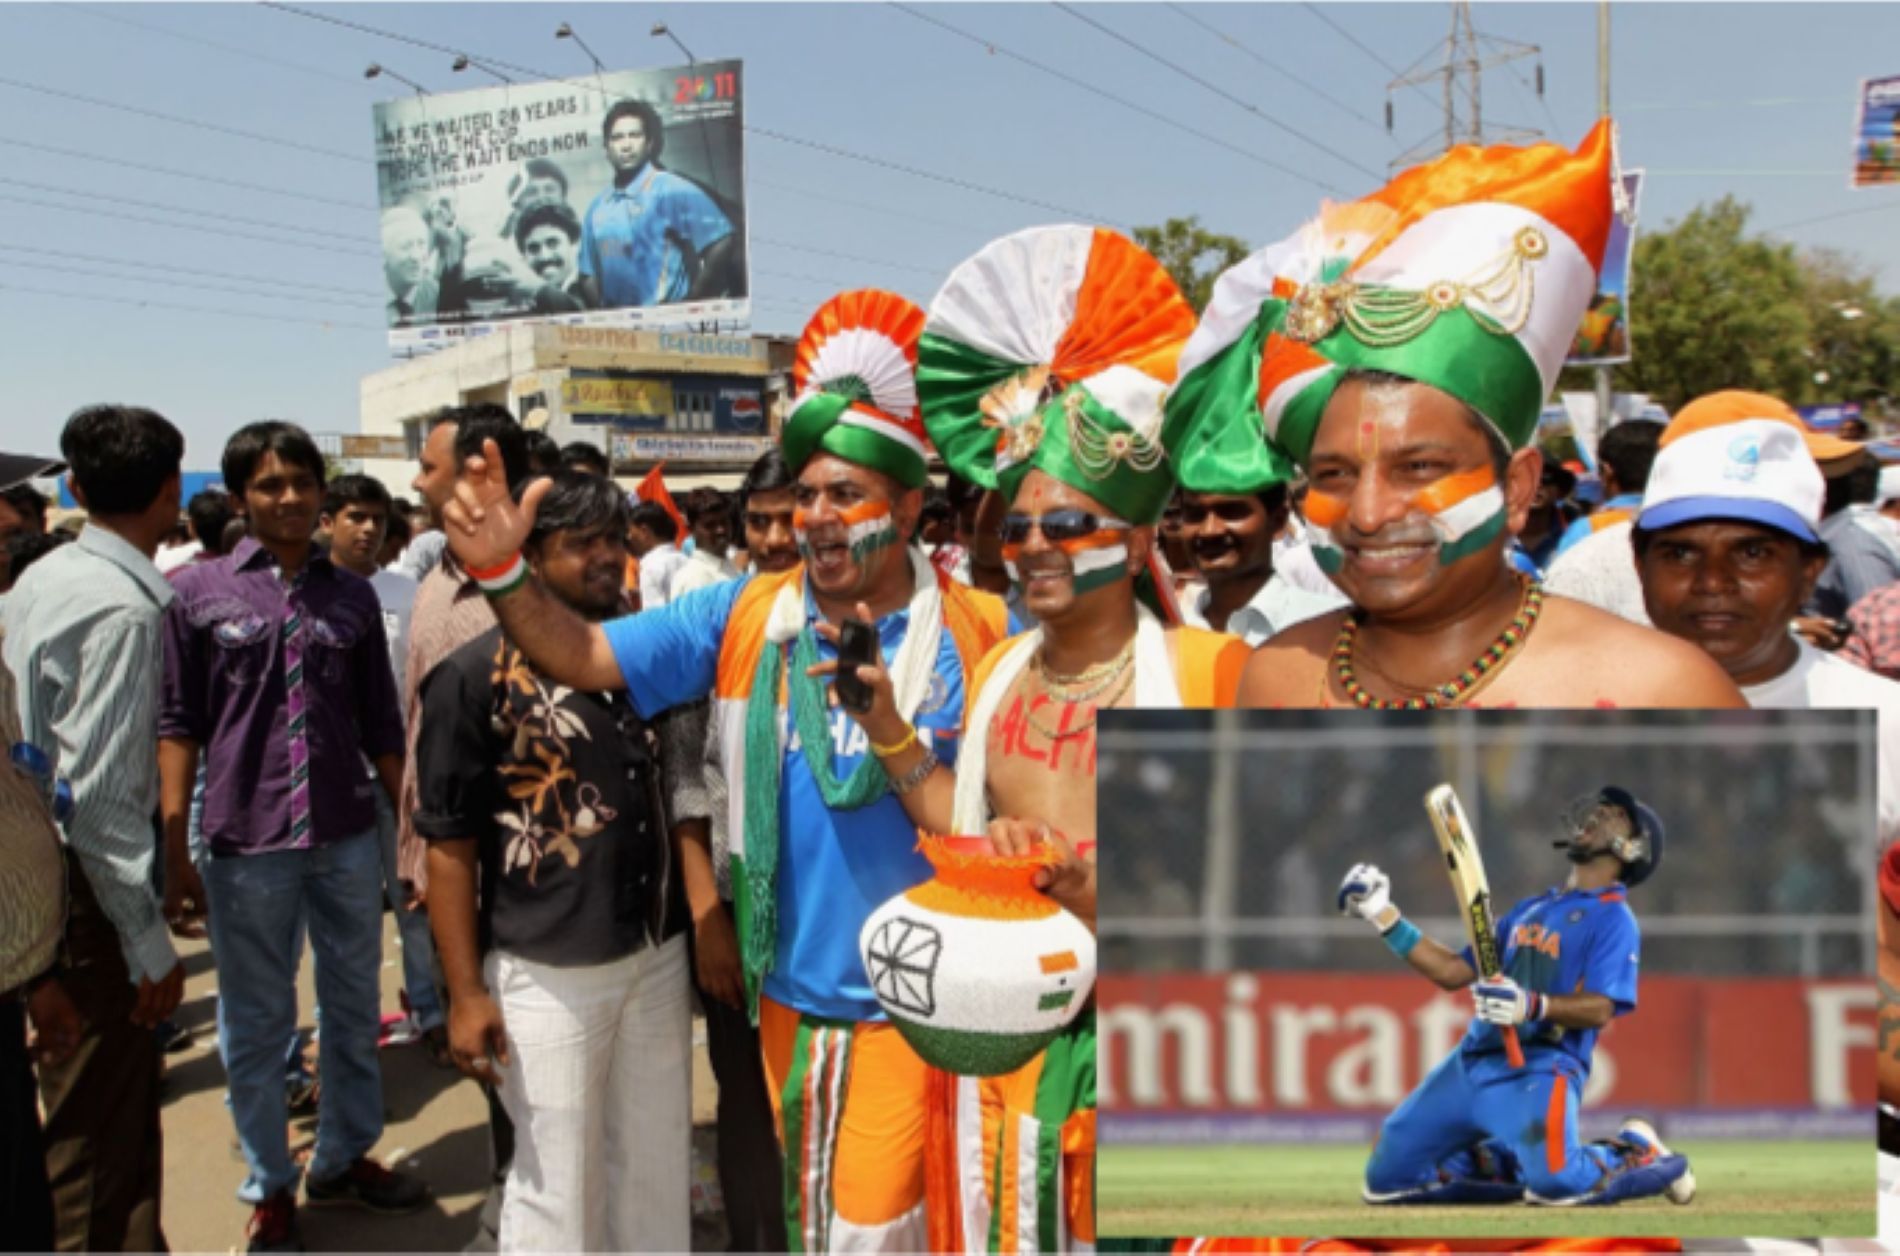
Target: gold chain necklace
pixel 1055 735
pixel 1088 683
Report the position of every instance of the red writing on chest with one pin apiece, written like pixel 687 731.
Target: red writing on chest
pixel 1013 733
pixel 1538 938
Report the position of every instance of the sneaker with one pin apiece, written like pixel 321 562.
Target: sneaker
pixel 369 1185
pixel 1646 1147
pixel 399 1030
pixel 273 1225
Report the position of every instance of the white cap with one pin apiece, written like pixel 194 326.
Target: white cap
pixel 1758 470
pixel 1889 485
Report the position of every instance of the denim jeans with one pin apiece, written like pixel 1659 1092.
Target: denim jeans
pixel 258 903
pixel 418 947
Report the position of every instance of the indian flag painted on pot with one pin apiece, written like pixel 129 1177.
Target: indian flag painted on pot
pixel 977 969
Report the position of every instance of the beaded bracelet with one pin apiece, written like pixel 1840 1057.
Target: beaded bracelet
pixel 917 775
pixel 502 579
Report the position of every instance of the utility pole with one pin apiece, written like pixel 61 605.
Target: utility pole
pixel 1605 399
pixel 1463 57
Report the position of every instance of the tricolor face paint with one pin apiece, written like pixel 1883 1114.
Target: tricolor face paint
pixel 1465 510
pixel 1091 562
pixel 838 550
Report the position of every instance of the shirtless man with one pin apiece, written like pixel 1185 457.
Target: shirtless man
pixel 1400 350
pixel 1073 446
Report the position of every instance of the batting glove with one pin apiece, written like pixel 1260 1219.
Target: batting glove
pixel 1365 893
pixel 1501 1001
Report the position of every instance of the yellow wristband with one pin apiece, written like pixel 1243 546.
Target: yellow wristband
pixel 898 747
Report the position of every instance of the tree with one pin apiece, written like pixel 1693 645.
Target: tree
pixel 1192 254
pixel 1712 308
pixel 1854 353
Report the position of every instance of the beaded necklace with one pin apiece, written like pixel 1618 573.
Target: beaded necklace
pixel 1452 692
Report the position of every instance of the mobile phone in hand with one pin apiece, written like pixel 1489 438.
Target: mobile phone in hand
pixel 857 647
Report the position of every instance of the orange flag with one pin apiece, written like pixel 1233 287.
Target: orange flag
pixel 653 489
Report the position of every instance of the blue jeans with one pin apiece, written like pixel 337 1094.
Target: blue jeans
pixel 258 905
pixel 418 947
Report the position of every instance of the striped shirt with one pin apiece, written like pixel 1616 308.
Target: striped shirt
pixel 83 640
pixel 450 612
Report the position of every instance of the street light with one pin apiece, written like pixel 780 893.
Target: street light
pixel 568 32
pixel 463 61
pixel 660 28
pixel 377 71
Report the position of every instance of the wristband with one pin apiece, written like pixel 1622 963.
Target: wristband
pixel 1401 937
pixel 896 747
pixel 502 579
pixel 1540 1007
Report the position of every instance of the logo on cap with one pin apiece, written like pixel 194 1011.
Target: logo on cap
pixel 1744 459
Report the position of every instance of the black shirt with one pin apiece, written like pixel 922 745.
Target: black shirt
pixel 559 790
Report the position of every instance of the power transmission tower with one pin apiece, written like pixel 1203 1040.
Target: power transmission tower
pixel 1464 56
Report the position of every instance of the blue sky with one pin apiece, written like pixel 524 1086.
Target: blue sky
pixel 1750 99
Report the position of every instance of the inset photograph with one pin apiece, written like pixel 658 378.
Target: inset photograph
pixel 1487 974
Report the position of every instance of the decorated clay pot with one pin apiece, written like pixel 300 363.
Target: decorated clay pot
pixel 977 968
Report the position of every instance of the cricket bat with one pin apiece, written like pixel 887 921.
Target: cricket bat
pixel 1460 845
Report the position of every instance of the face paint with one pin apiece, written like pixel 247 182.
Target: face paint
pixel 1325 512
pixel 869 527
pixel 1466 511
pixel 1096 561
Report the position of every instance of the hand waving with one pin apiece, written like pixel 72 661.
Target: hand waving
pixel 485 526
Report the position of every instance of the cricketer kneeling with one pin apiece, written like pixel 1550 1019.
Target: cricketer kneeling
pixel 1478 1129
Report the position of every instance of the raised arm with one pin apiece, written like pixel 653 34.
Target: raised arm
pixel 1367 894
pixel 486 529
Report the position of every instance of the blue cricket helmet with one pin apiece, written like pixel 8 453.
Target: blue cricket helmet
pixel 1649 835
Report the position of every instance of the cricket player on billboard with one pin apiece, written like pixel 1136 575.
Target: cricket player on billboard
pixel 1480 1128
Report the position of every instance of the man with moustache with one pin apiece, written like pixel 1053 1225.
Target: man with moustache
pixel 1065 424
pixel 1399 350
pixel 277 671
pixel 556 915
pixel 1729 544
pixel 1231 532
pixel 809 797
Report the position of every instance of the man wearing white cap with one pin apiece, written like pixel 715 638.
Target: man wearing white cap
pixel 1728 547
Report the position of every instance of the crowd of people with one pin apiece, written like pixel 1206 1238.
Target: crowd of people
pixel 592 771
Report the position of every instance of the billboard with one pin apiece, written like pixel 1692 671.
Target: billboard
pixel 1877 134
pixel 1829 417
pixel 1604 337
pixel 1249 1050
pixel 615 200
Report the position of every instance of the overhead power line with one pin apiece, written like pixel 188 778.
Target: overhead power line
pixel 198 124
pixel 849 257
pixel 1244 50
pixel 141 304
pixel 1113 98
pixel 249 54
pixel 140 263
pixel 1222 92
pixel 195 211
pixel 1377 60
pixel 815 145
pixel 170 281
pixel 124 164
pixel 117 214
pixel 1887 207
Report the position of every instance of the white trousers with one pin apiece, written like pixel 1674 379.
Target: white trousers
pixel 599 1086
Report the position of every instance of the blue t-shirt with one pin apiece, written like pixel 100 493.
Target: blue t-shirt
pixel 835 867
pixel 1565 942
pixel 630 238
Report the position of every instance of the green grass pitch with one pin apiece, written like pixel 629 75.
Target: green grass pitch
pixel 1757 1189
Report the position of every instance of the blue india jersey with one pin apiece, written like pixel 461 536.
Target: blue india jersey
pixel 1565 942
pixel 631 238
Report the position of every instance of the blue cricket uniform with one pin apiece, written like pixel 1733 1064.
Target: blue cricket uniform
pixel 631 237
pixel 1564 942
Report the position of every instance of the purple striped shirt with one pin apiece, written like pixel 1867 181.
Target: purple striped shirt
pixel 286 687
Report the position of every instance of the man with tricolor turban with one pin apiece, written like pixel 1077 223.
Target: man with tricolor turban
pixel 819 837
pixel 1399 350
pixel 1041 374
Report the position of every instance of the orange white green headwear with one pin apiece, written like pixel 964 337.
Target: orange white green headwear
pixel 1470 273
pixel 854 387
pixel 1053 348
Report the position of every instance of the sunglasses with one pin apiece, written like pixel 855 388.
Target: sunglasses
pixel 1059 525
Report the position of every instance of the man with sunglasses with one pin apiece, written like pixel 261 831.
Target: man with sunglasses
pixel 818 833
pixel 1071 443
pixel 1400 350
pixel 1232 539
